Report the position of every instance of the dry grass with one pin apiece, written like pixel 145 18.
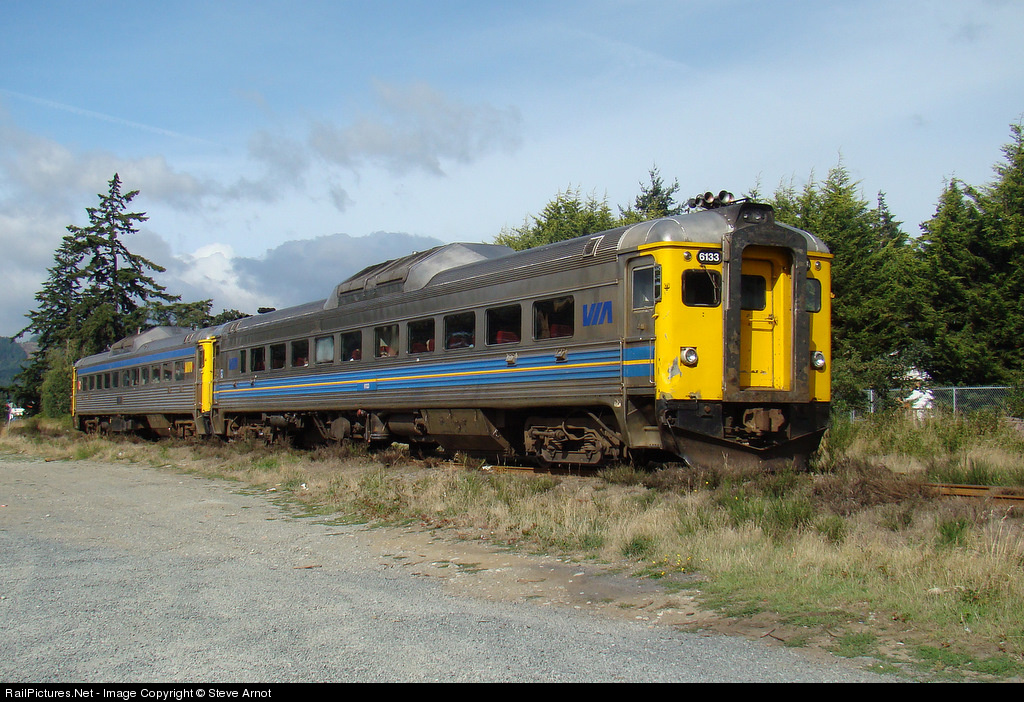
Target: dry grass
pixel 855 555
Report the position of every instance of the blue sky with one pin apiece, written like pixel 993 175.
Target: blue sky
pixel 279 147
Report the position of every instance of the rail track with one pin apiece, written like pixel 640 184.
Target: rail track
pixel 989 492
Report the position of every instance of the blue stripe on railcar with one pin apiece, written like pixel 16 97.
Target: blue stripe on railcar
pixel 638 361
pixel 176 354
pixel 588 365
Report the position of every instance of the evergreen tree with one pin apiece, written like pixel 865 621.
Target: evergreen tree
pixel 874 273
pixel 1002 207
pixel 195 315
pixel 568 216
pixel 56 323
pixel 654 201
pixel 59 313
pixel 973 252
pixel 117 281
pixel 97 292
pixel 55 395
pixel 958 281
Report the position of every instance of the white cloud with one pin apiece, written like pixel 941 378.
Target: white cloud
pixel 415 128
pixel 209 273
pixel 293 273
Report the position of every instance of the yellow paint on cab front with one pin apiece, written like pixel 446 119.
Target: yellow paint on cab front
pixel 679 327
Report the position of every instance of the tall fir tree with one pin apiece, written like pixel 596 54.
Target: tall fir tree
pixel 873 271
pixel 96 293
pixel 973 251
pixel 1002 207
pixel 958 275
pixel 117 282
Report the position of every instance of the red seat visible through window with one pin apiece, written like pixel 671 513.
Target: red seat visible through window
pixel 506 337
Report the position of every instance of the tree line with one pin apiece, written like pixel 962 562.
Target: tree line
pixel 947 305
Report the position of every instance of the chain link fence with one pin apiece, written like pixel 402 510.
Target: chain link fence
pixel 926 400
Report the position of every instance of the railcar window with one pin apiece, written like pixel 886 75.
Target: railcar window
pixel 643 288
pixel 421 336
pixel 126 378
pixel 241 361
pixel 813 295
pixel 179 371
pixel 277 356
pixel 752 292
pixel 352 346
pixel 504 325
pixel 106 381
pixel 189 370
pixel 460 330
pixel 259 359
pixel 167 373
pixel 154 373
pixel 144 376
pixel 554 318
pixel 114 377
pixel 135 376
pixel 385 341
pixel 92 382
pixel 300 353
pixel 702 288
pixel 324 347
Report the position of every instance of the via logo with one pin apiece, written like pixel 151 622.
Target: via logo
pixel 597 313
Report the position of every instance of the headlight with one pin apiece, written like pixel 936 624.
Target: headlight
pixel 818 360
pixel 688 356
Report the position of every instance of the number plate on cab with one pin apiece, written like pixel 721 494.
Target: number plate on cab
pixel 709 257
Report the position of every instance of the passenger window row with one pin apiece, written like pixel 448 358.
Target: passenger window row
pixel 177 371
pixel 554 318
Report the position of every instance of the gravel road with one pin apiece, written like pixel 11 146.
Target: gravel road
pixel 118 573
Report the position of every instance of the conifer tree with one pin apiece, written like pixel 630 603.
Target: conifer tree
pixel 117 281
pixel 873 271
pixel 97 292
pixel 567 216
pixel 655 200
pixel 973 252
pixel 55 324
pixel 58 315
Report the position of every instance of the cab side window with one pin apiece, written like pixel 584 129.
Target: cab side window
pixel 702 288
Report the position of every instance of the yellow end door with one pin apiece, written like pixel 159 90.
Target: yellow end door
pixel 765 319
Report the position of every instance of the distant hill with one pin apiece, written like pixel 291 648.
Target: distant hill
pixel 12 357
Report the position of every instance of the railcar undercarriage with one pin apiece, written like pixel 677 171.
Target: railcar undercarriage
pixel 699 432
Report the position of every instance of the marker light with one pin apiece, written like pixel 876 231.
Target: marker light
pixel 818 360
pixel 688 356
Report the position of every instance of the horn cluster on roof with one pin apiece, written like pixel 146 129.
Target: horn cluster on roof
pixel 710 201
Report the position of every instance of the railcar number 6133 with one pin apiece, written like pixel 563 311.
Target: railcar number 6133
pixel 694 337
